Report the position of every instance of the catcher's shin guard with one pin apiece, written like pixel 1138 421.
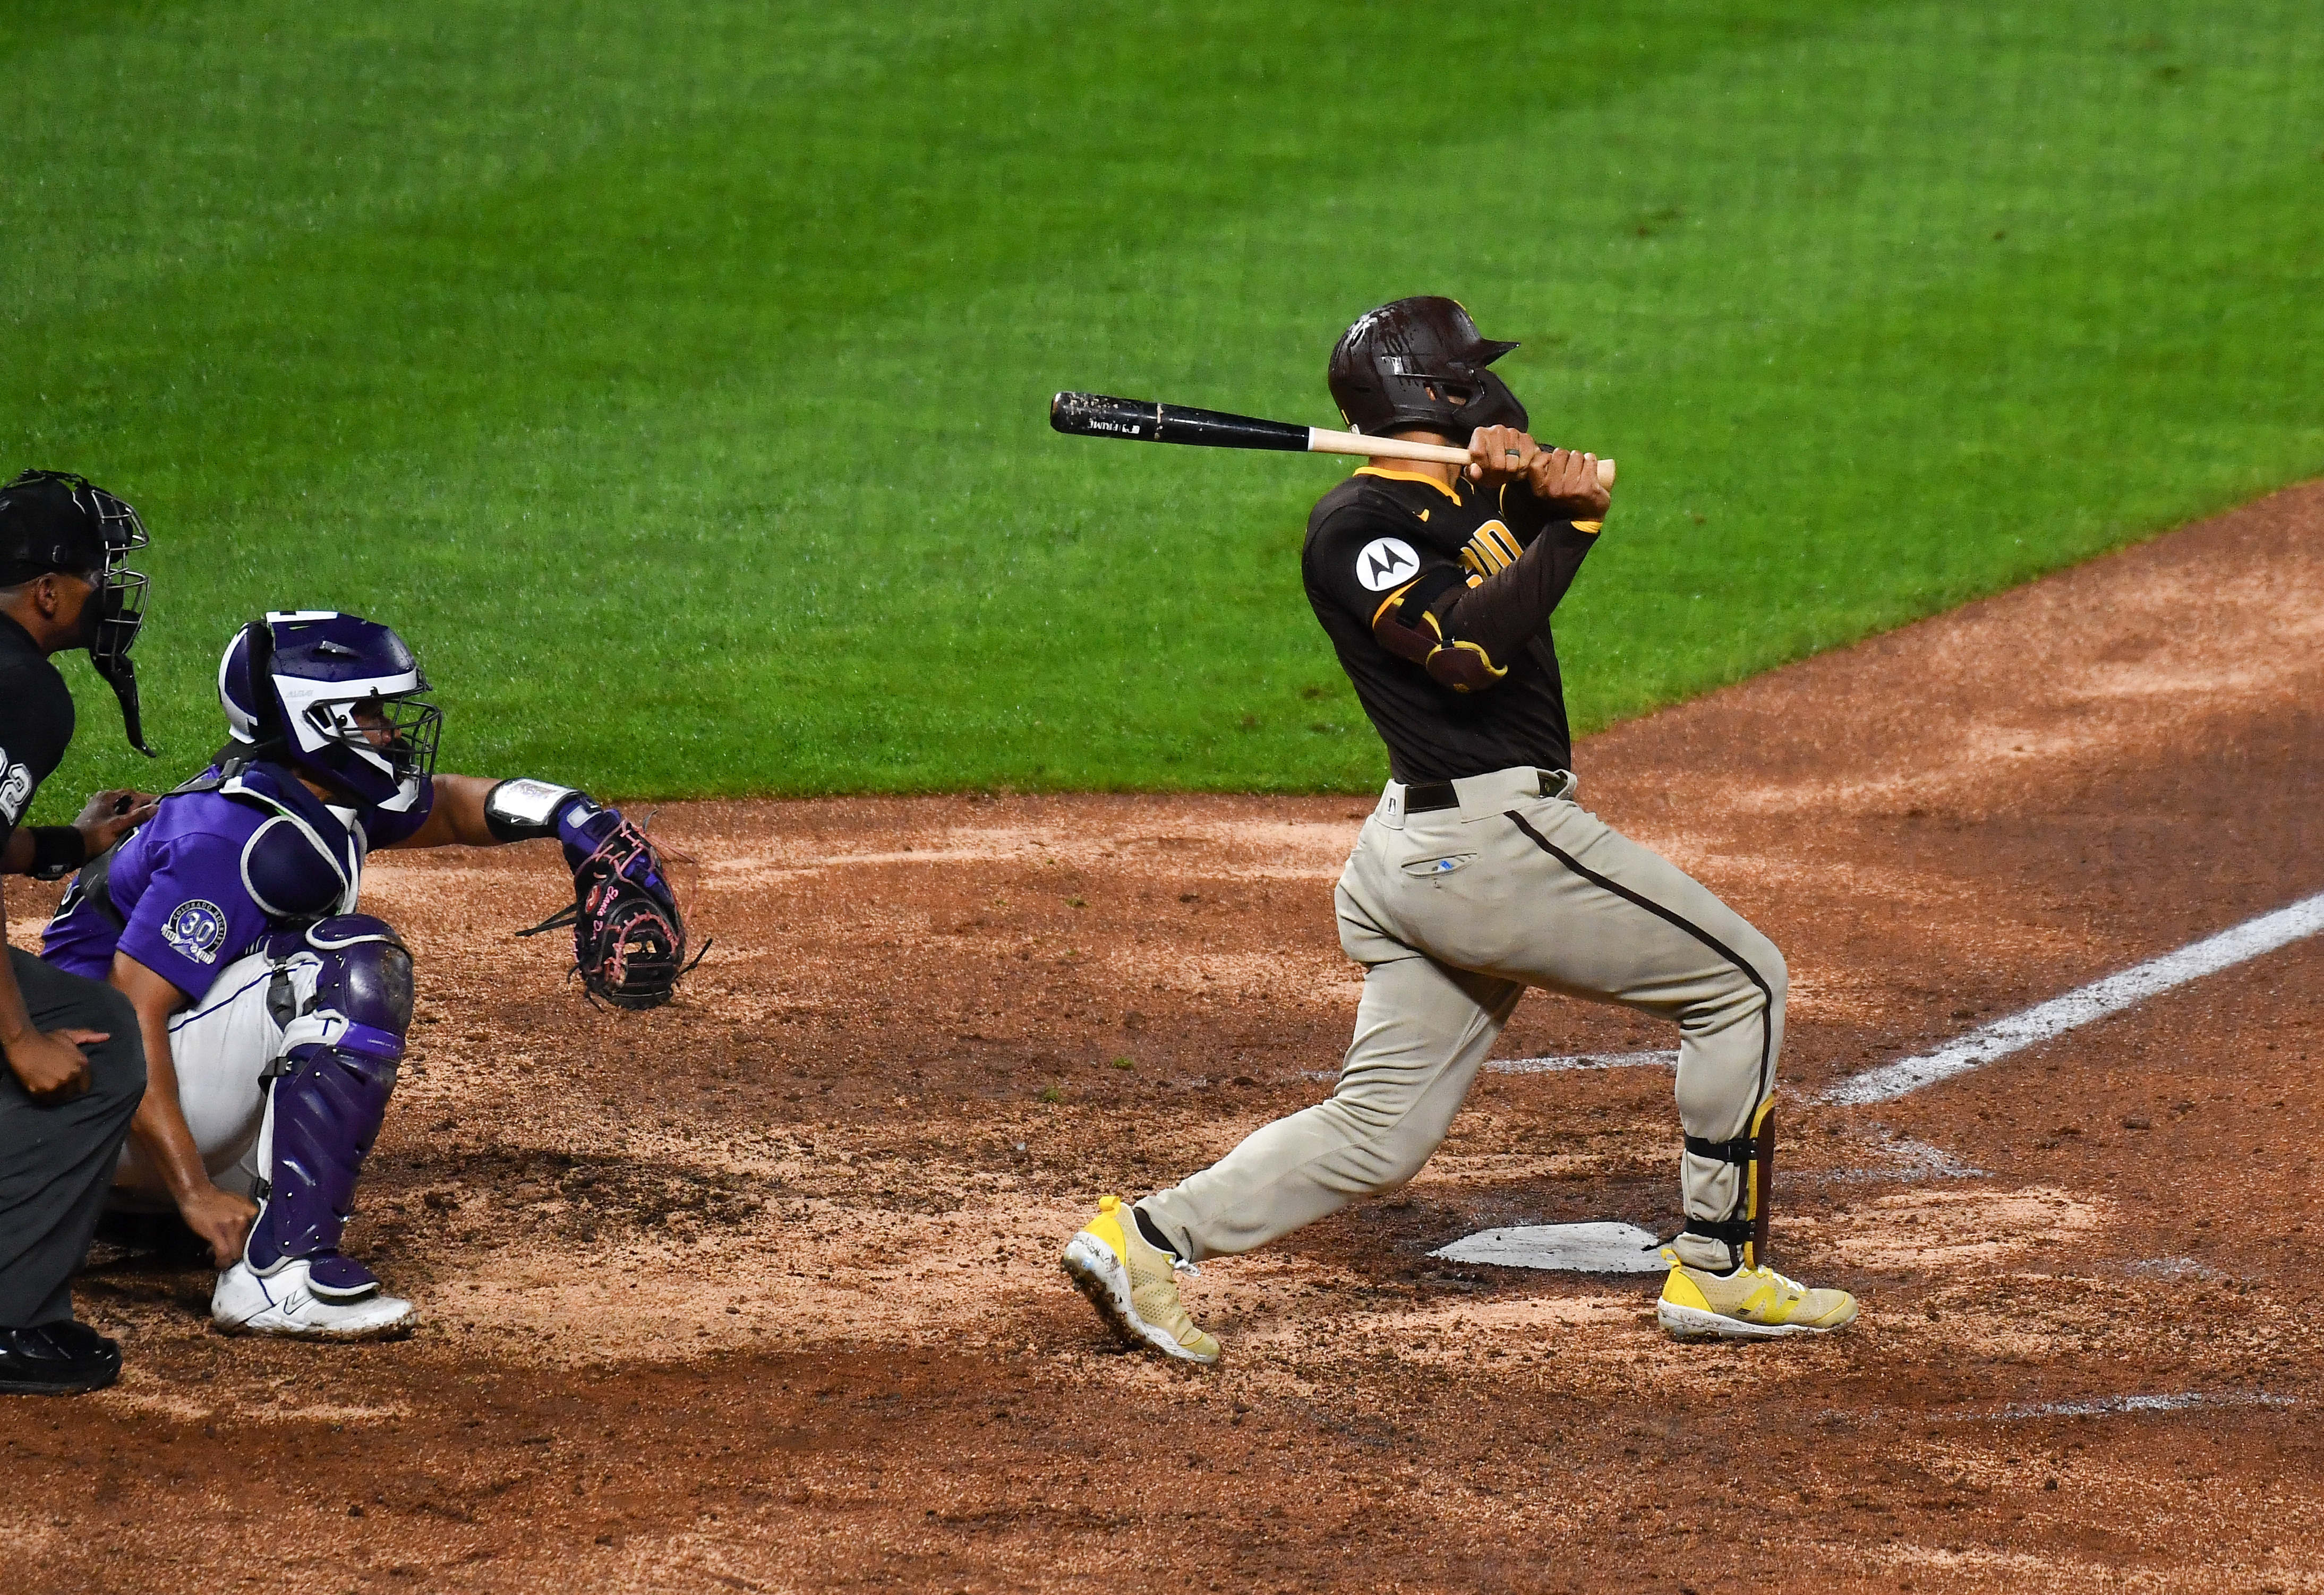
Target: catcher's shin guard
pixel 326 1097
pixel 1744 1232
pixel 324 1108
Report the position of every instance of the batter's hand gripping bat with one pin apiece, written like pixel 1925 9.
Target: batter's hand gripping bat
pixel 1094 415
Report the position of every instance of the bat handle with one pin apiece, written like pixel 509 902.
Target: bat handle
pixel 1320 441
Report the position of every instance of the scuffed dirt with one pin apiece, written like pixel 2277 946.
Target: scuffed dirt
pixel 759 1291
pixel 1963 1228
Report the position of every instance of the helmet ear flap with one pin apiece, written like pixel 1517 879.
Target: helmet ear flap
pixel 1499 407
pixel 258 664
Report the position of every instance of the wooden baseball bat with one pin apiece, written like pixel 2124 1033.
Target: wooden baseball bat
pixel 1095 415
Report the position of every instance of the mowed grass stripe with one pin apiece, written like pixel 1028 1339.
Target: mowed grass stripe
pixel 335 123
pixel 522 273
pixel 713 461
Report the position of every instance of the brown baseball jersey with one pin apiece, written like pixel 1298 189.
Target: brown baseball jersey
pixel 1437 600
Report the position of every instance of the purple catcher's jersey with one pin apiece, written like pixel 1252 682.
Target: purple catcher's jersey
pixel 242 851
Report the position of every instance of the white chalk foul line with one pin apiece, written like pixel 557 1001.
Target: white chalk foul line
pixel 2104 1405
pixel 1998 1039
pixel 2097 1406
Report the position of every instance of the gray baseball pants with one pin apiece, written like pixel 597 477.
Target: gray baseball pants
pixel 1454 913
pixel 57 1160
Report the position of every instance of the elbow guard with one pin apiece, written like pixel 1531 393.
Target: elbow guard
pixel 525 810
pixel 1409 628
pixel 1464 666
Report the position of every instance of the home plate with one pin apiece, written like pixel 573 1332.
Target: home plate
pixel 1580 1248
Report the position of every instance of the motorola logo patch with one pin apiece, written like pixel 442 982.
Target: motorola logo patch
pixel 1386 562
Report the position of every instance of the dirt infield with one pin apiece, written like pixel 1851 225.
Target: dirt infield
pixel 759 1292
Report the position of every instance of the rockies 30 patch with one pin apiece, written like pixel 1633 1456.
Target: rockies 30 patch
pixel 195 930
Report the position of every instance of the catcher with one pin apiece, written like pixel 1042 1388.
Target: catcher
pixel 273 1014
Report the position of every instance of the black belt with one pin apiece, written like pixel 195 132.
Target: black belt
pixel 1428 796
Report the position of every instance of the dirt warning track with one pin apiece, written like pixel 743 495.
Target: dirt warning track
pixel 759 1292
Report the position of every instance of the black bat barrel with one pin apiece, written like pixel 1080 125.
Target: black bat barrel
pixel 1094 415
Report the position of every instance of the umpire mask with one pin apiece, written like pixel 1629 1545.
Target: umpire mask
pixel 57 521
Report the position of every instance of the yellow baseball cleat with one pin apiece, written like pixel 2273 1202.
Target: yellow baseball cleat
pixel 1134 1285
pixel 1749 1304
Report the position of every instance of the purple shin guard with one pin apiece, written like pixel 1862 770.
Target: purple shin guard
pixel 326 1101
pixel 327 1109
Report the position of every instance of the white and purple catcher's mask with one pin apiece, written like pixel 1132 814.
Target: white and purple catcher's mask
pixel 337 697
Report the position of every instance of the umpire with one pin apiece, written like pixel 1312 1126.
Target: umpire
pixel 76 1067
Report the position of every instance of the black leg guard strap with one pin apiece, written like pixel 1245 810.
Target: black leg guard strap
pixel 1754 1155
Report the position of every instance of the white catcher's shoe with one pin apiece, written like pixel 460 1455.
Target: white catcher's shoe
pixel 280 1304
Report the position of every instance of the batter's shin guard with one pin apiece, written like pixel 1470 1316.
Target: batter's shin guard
pixel 324 1108
pixel 1744 1234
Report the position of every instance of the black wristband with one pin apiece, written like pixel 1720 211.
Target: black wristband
pixel 57 852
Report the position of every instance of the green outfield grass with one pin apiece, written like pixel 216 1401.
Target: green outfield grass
pixel 675 376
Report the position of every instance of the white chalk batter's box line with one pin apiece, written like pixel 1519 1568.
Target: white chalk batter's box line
pixel 1991 1043
pixel 2095 1407
pixel 1611 1248
pixel 2043 1021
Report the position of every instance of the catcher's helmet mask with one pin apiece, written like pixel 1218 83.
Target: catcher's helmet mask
pixel 60 521
pixel 338 697
pixel 1419 364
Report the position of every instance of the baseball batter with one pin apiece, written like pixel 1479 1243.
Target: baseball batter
pixel 272 1010
pixel 1479 874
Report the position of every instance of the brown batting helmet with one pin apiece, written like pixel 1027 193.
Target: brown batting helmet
pixel 1419 364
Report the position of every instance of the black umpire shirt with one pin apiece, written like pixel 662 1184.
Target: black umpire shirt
pixel 1381 534
pixel 35 722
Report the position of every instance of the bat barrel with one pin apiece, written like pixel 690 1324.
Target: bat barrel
pixel 1096 415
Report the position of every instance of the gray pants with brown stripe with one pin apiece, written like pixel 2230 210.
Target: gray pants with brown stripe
pixel 1454 913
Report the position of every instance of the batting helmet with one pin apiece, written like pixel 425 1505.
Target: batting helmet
pixel 1418 364
pixel 337 697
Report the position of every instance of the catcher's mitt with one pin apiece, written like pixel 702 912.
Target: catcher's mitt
pixel 629 938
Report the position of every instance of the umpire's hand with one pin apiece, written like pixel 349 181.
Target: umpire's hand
pixel 50 1064
pixel 110 814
